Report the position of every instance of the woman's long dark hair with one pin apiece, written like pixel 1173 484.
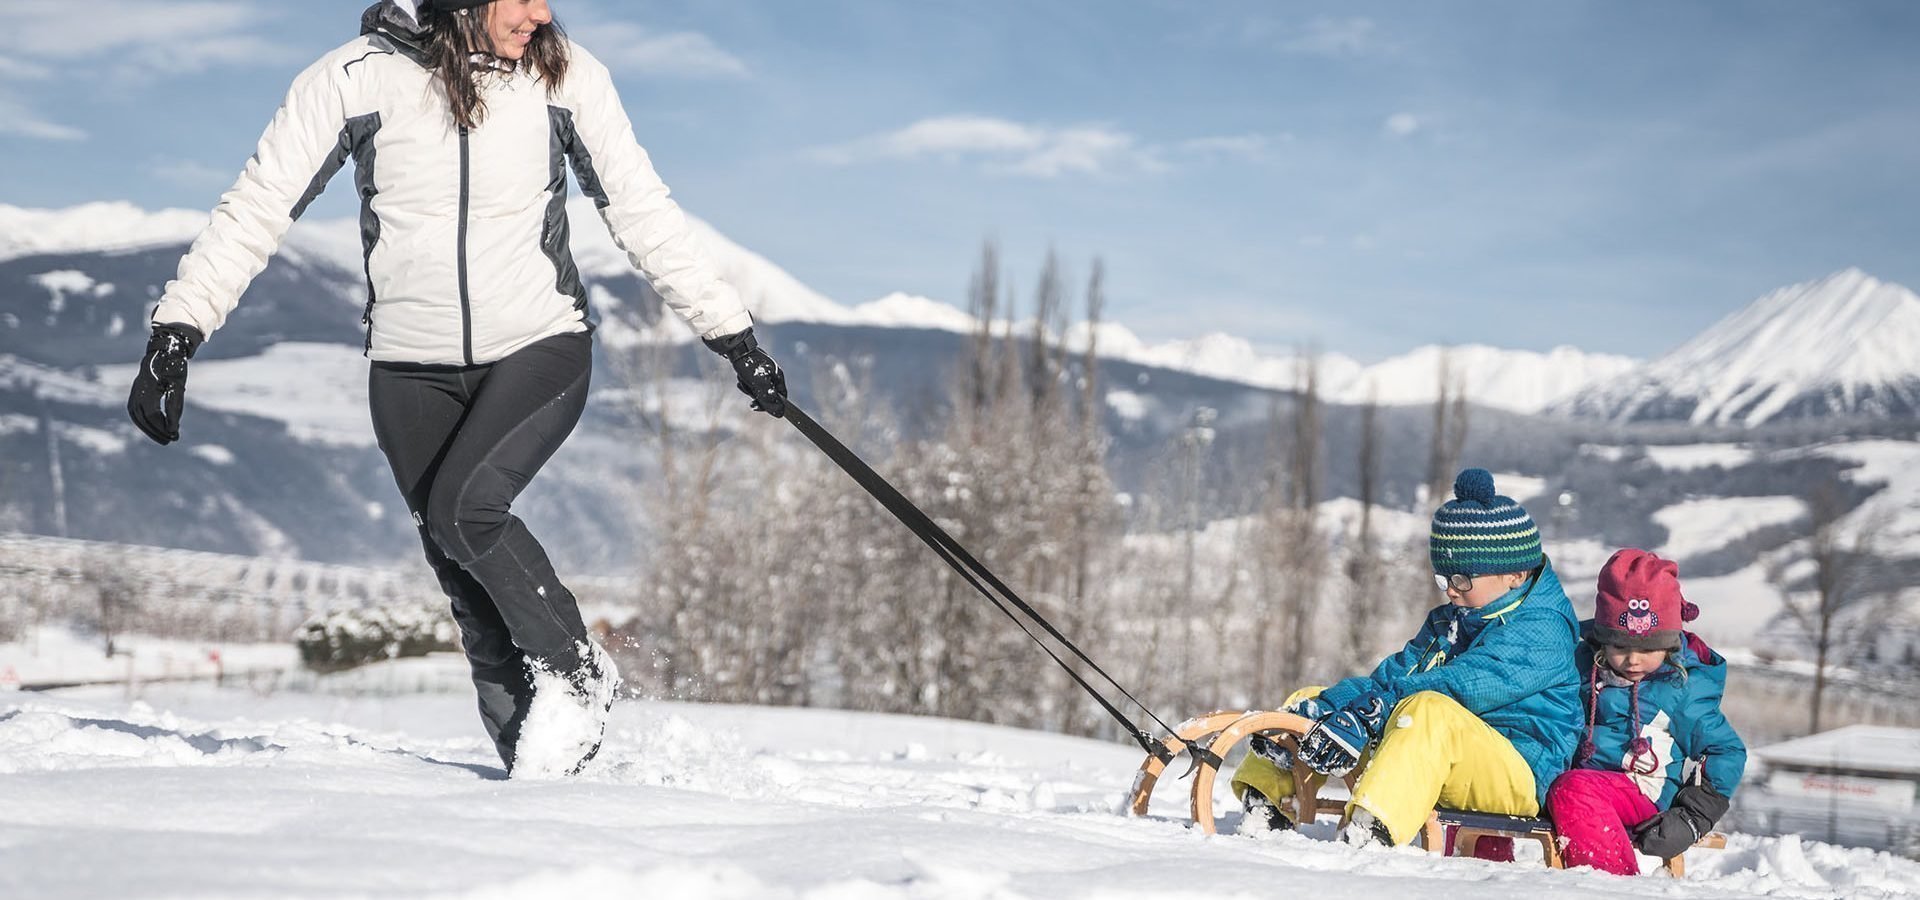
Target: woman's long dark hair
pixel 453 40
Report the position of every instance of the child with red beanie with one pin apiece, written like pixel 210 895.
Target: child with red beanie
pixel 1653 703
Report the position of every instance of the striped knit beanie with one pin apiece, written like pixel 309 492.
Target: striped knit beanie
pixel 1479 532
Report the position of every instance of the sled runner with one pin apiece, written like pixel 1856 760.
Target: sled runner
pixel 1212 736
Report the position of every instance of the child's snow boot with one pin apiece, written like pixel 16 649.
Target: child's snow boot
pixel 1363 830
pixel 1265 812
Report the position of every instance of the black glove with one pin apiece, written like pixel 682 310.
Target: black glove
pixel 160 387
pixel 1694 810
pixel 760 377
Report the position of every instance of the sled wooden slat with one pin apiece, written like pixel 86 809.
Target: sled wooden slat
pixel 1469 827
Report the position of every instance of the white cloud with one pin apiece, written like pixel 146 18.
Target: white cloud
pixel 1402 124
pixel 12 69
pixel 190 173
pixel 1039 151
pixel 628 47
pixel 157 35
pixel 18 118
pixel 1333 37
pixel 1248 147
pixel 130 40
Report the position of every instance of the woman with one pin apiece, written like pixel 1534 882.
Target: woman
pixel 462 118
pixel 1478 711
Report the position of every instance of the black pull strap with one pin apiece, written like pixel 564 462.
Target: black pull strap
pixel 975 573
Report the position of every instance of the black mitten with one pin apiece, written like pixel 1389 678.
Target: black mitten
pixel 1695 809
pixel 760 377
pixel 160 387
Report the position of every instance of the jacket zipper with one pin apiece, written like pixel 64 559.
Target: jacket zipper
pixel 466 303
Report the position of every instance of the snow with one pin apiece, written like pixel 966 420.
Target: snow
pixel 1127 405
pixel 1892 513
pixel 1520 487
pixel 1603 451
pixel 1867 748
pixel 1701 526
pixel 97 440
pixel 93 227
pixel 1734 609
pixel 62 387
pixel 213 453
pixel 1515 380
pixel 898 310
pixel 1843 338
pixel 62 282
pixel 53 654
pixel 318 390
pixel 1689 457
pixel 199 791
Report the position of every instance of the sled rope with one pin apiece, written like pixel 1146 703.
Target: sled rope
pixel 981 578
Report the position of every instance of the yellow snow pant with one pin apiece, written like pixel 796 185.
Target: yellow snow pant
pixel 1433 753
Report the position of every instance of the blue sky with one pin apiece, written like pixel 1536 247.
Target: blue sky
pixel 1365 176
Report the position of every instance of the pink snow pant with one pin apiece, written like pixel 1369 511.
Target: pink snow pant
pixel 1595 812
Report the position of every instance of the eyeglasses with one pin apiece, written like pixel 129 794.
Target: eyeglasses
pixel 1458 581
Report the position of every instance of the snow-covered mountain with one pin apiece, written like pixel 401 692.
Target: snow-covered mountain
pixel 1515 380
pixel 1840 346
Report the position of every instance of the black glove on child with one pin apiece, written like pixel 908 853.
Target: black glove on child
pixel 760 377
pixel 1694 810
pixel 160 387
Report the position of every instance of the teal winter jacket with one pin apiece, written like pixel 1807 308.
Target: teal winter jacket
pixel 1677 710
pixel 1510 662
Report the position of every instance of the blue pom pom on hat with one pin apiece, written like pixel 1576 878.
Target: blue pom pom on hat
pixel 1480 532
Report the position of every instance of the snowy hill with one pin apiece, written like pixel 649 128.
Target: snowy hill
pixel 197 791
pixel 1840 346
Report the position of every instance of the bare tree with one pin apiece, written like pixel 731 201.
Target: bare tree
pixel 1363 562
pixel 1449 429
pixel 117 597
pixel 1839 612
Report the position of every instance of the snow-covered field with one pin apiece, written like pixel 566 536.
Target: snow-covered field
pixel 59 655
pixel 1687 457
pixel 1696 527
pixel 204 792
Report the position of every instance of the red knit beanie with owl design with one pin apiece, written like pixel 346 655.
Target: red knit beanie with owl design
pixel 1639 603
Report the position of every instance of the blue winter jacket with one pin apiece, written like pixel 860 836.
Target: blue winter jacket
pixel 1679 714
pixel 1509 662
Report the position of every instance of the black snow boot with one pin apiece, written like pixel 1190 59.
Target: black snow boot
pixel 1264 812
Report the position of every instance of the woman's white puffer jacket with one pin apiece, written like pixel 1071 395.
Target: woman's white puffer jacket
pixel 465 232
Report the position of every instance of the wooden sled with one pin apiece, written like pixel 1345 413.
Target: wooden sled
pixel 1216 734
pixel 1469 827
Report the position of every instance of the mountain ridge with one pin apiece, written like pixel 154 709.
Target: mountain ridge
pixel 1835 346
pixel 1516 380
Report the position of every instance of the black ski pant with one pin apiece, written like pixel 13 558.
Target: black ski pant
pixel 463 441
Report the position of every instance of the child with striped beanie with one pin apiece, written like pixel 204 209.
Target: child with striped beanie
pixel 1479 711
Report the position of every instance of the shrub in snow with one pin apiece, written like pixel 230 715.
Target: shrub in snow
pixel 343 639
